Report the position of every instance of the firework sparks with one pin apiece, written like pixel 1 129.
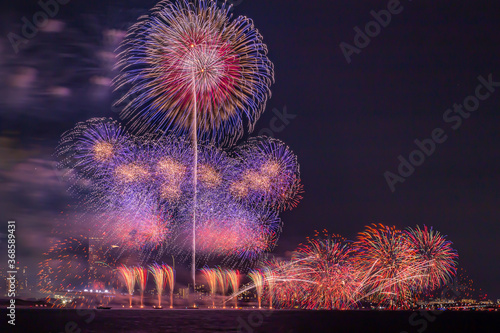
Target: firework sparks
pixel 211 278
pixel 170 276
pixel 435 253
pixel 269 174
pixel 384 249
pixel 160 280
pixel 233 277
pixel 257 279
pixel 141 275
pixel 128 275
pixel 222 282
pixel 191 58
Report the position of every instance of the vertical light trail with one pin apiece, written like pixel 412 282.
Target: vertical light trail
pixel 195 176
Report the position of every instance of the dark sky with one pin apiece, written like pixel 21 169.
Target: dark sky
pixel 352 120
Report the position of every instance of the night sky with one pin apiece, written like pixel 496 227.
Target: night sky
pixel 348 122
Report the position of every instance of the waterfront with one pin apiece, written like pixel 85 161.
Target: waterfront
pixel 201 321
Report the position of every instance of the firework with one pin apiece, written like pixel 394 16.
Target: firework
pixel 433 252
pixel 222 282
pixel 385 250
pixel 233 277
pixel 268 174
pixel 170 276
pixel 228 229
pixel 332 280
pixel 214 168
pixel 211 277
pixel 138 225
pixel 192 58
pixel 270 279
pixel 65 265
pixel 93 147
pixel 144 198
pixel 160 279
pixel 257 279
pixel 141 275
pixel 171 163
pixel 128 275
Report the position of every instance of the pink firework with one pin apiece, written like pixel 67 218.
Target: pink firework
pixel 141 274
pixel 384 251
pixel 435 254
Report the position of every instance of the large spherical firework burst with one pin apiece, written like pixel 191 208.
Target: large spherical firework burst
pixel 334 282
pixel 435 254
pixel 190 58
pixel 93 147
pixel 268 174
pixel 384 251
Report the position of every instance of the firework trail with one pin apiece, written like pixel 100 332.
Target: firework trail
pixel 128 275
pixel 233 278
pixel 222 282
pixel 160 279
pixel 186 59
pixel 257 279
pixel 435 253
pixel 141 275
pixel 170 276
pixel 269 278
pixel 211 278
